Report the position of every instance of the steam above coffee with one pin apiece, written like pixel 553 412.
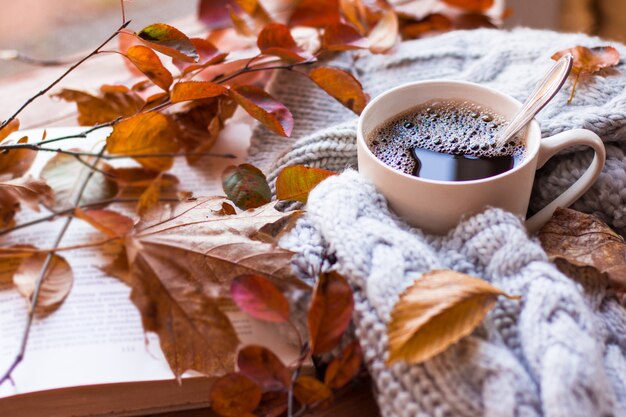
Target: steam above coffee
pixel 446 140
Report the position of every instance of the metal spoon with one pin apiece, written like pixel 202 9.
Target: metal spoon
pixel 541 95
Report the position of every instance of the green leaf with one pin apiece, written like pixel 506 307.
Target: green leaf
pixel 246 186
pixel 169 41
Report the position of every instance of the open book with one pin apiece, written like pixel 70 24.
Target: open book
pixel 91 356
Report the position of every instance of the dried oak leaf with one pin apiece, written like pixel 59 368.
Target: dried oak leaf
pixel 149 63
pixel 169 41
pixel 257 296
pixel 246 186
pixel 344 368
pixel 113 102
pixel 296 182
pixel 182 260
pixel 263 367
pixel 310 391
pixel 583 240
pixel 342 86
pixel 25 190
pixel 439 309
pixel 234 395
pixel 329 313
pixel 275 39
pixel 263 107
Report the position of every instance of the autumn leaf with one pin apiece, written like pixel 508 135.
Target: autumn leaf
pixel 25 190
pixel 150 197
pixel 214 13
pixel 11 258
pixel 439 309
pixel 146 133
pixel 273 404
pixel 263 367
pixel 296 182
pixel 56 285
pixel 246 186
pixel 169 41
pixel 149 63
pixel 478 6
pixel 342 37
pixel 111 223
pixel 344 368
pixel 195 90
pixel 13 126
pixel 208 55
pixel 258 297
pixel 234 395
pixel 315 13
pixel 275 39
pixel 432 23
pixel 15 163
pixel 342 86
pixel 355 13
pixel 263 107
pixel 311 392
pixel 329 313
pixel 583 240
pixel 385 34
pixel 64 174
pixel 108 106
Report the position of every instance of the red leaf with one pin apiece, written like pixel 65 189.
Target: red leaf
pixel 329 313
pixel 296 182
pixel 311 392
pixel 478 6
pixel 315 13
pixel 234 395
pixel 260 298
pixel 195 90
pixel 275 39
pixel 343 369
pixel 263 367
pixel 109 222
pixel 263 107
pixel 246 186
pixel 342 86
pixel 149 63
pixel 342 37
pixel 214 13
pixel 208 55
pixel 169 41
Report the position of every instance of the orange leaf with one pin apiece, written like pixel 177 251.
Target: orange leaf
pixel 13 126
pixel 246 186
pixel 263 367
pixel 138 177
pixel 590 60
pixel 111 223
pixel 342 86
pixel 263 107
pixel 22 190
pixel 16 162
pixel 311 392
pixel 273 404
pixel 208 55
pixel 150 197
pixel 169 41
pixel 296 182
pixel 477 6
pixel 149 63
pixel 196 90
pixel 275 39
pixel 146 133
pixel 385 34
pixel 342 37
pixel 343 369
pixel 432 23
pixel 126 39
pixel 108 106
pixel 259 297
pixel 329 313
pixel 355 13
pixel 234 395
pixel 315 13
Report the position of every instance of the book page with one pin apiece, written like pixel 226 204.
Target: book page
pixel 96 336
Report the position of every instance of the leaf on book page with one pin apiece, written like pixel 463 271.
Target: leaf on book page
pixel 330 312
pixel 257 296
pixel 234 395
pixel 262 366
pixel 111 223
pixel 56 285
pixel 310 391
pixel 344 368
pixel 439 309
pixel 583 240
pixel 11 258
pixel 16 162
pixel 25 190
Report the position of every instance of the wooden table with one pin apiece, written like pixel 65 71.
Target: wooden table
pixel 110 69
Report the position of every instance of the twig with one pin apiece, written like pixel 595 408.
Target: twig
pixel 123 11
pixel 58 80
pixel 13 55
pixel 245 70
pixel 42 275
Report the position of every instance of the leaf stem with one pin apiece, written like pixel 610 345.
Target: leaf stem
pixel 58 80
pixel 571 97
pixel 246 70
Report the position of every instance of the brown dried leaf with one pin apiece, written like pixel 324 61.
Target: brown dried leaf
pixel 343 369
pixel 296 182
pixel 342 37
pixel 111 223
pixel 342 86
pixel 385 34
pixel 275 39
pixel 439 309
pixel 263 367
pixel 169 41
pixel 150 197
pixel 311 392
pixel 234 395
pixel 315 13
pixel 10 260
pixel 583 240
pixel 477 6
pixel 148 62
pixel 431 23
pixel 590 60
pixel 108 106
pixel 16 162
pixel 146 133
pixel 56 285
pixel 257 296
pixel 329 313
pixel 22 190
pixel 263 107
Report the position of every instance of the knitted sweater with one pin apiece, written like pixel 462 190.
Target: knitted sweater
pixel 561 350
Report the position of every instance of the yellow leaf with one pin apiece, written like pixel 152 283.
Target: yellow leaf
pixel 436 311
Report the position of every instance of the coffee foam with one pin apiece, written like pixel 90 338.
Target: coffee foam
pixel 447 126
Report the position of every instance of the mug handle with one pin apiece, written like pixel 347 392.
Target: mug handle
pixel 551 146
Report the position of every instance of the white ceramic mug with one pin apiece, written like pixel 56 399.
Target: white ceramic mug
pixel 437 206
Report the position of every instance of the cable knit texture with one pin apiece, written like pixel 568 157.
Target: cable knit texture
pixel 558 352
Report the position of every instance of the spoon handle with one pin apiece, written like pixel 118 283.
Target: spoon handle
pixel 541 95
